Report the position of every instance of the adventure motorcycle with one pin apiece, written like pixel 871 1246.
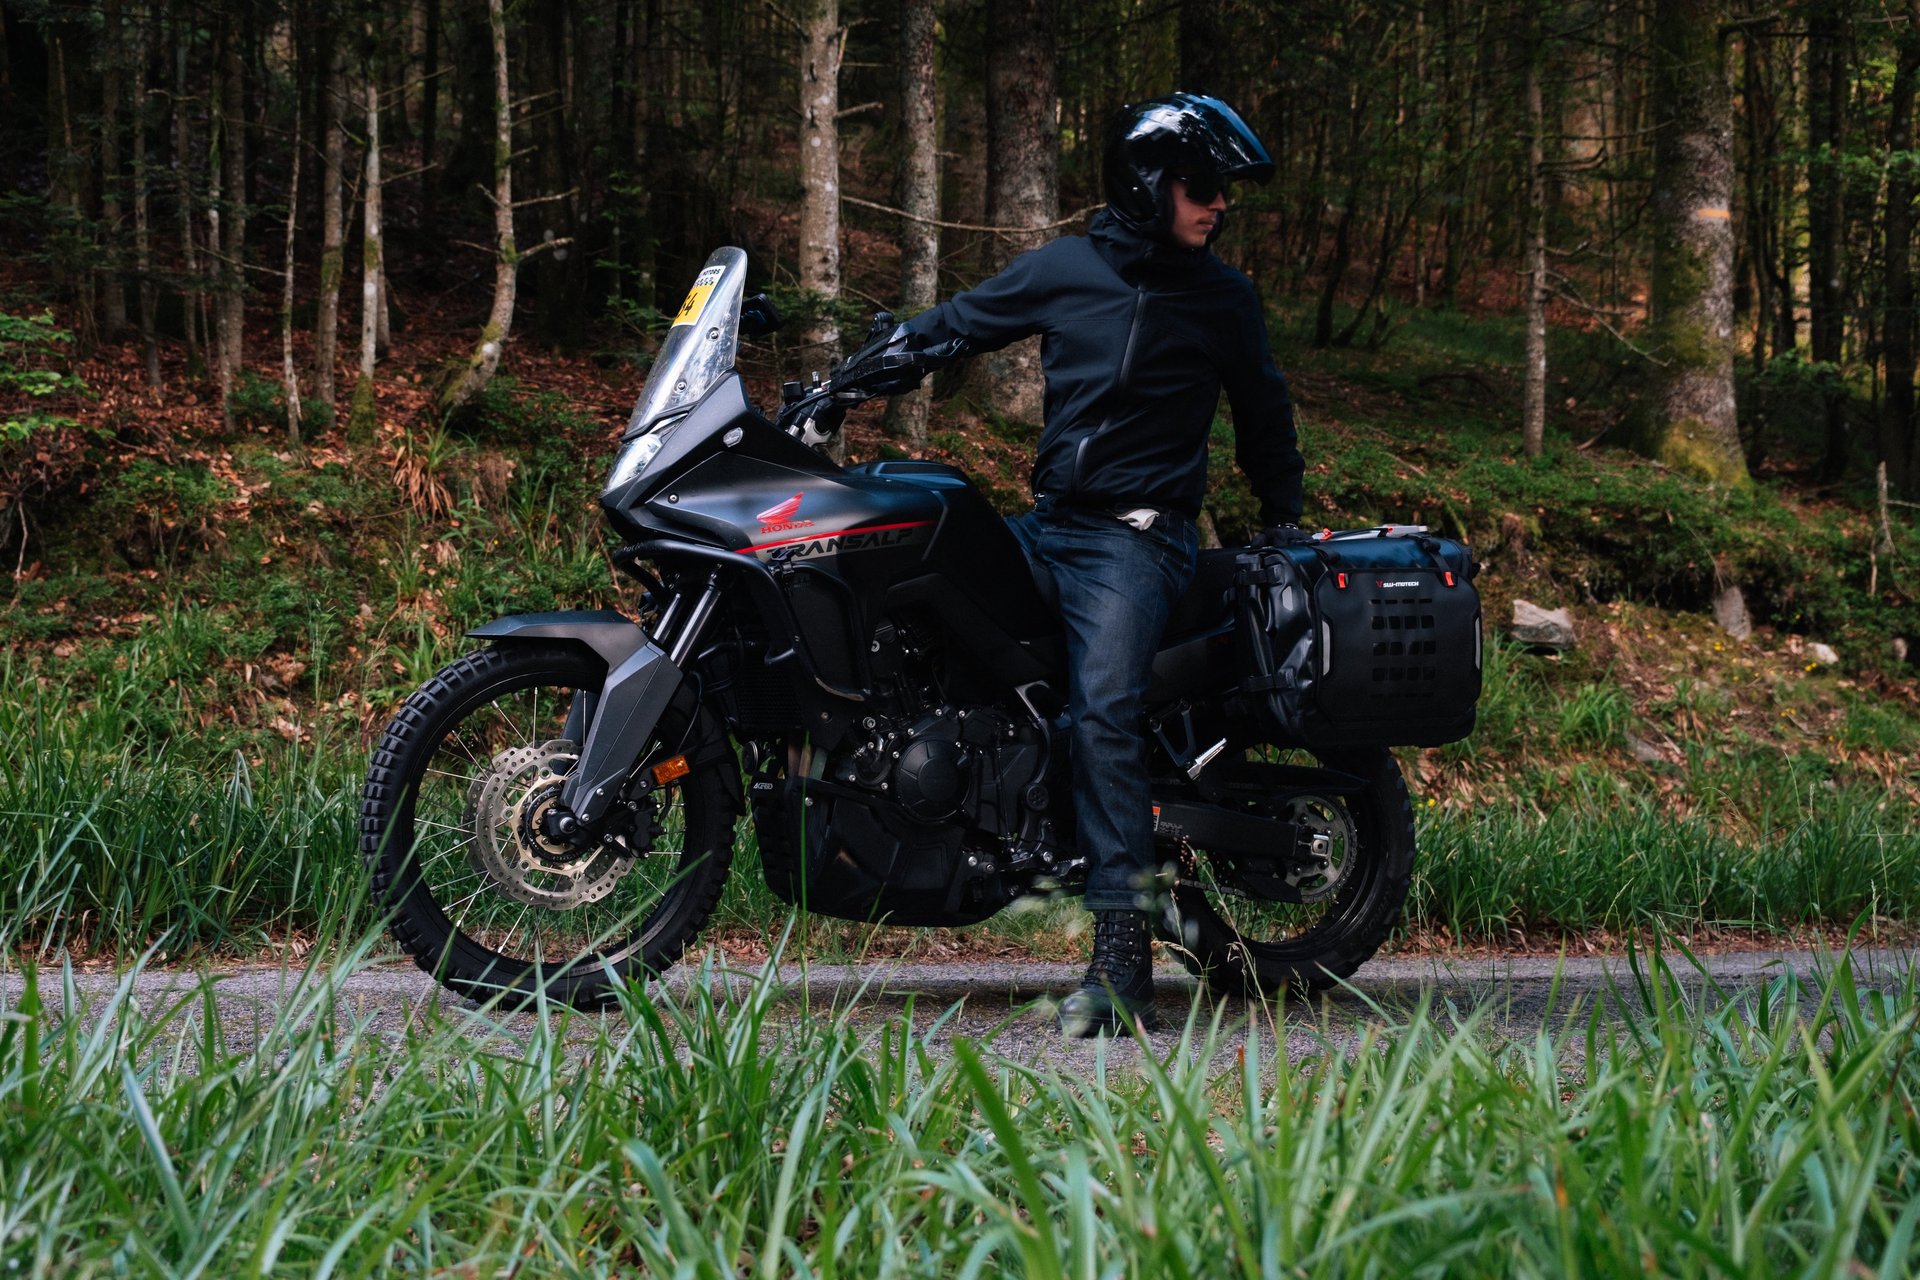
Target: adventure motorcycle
pixel 558 807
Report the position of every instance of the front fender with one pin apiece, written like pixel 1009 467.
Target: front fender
pixel 641 681
pixel 611 635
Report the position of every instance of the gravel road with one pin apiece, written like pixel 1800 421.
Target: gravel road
pixel 1010 1003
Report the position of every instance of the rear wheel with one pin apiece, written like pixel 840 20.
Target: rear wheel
pixel 1237 932
pixel 479 894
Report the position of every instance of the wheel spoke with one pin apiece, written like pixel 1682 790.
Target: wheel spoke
pixel 472 782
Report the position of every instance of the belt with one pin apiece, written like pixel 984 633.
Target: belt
pixel 1131 513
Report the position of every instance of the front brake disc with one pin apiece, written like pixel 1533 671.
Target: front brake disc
pixel 505 805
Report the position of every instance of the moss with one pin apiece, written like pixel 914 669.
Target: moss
pixel 1687 447
pixel 361 416
pixel 331 269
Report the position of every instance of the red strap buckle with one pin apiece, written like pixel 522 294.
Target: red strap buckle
pixel 1449 576
pixel 1340 580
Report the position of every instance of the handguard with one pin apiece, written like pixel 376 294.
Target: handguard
pixel 895 363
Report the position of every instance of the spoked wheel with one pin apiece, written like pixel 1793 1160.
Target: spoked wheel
pixel 1239 928
pixel 482 895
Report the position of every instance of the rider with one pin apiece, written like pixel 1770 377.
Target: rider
pixel 1143 326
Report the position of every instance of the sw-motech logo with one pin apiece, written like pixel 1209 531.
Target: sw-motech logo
pixel 1395 584
pixel 779 517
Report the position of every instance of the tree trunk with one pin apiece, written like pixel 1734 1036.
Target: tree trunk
pixel 556 309
pixel 1758 214
pixel 650 59
pixel 113 292
pixel 430 120
pixel 486 354
pixel 67 193
pixel 1899 441
pixel 8 107
pixel 1827 78
pixel 1690 422
pixel 142 229
pixel 819 272
pixel 1205 37
pixel 361 421
pixel 231 208
pixel 963 189
pixel 1023 168
pixel 919 196
pixel 333 227
pixel 289 376
pixel 1533 412
pixel 192 297
pixel 217 283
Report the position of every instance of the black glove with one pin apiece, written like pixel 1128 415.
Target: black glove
pixel 1282 535
pixel 891 364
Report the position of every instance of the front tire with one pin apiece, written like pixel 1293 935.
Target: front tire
pixel 449 834
pixel 1239 944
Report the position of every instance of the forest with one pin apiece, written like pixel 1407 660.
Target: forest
pixel 319 325
pixel 1725 189
pixel 319 322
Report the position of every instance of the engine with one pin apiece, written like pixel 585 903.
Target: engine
pixel 912 817
pixel 945 765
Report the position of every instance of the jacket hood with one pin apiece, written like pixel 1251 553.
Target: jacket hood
pixel 1138 255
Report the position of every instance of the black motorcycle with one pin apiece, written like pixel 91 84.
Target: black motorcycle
pixel 861 657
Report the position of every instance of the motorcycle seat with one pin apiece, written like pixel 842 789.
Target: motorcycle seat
pixel 1206 605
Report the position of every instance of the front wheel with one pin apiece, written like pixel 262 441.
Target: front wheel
pixel 1353 873
pixel 478 894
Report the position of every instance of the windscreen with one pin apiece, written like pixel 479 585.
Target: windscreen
pixel 700 346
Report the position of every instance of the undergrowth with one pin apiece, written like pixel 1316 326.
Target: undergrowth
pixel 715 1130
pixel 206 643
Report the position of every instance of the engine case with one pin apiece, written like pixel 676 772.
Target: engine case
pixel 907 828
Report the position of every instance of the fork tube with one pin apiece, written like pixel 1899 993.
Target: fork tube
pixel 697 618
pixel 669 615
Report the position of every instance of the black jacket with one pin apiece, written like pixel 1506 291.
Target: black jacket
pixel 1139 339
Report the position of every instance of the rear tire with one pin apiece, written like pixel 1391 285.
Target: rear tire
pixel 471 747
pixel 1240 946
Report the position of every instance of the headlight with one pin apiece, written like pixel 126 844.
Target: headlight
pixel 641 450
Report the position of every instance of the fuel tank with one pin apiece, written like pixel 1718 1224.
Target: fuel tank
pixel 851 545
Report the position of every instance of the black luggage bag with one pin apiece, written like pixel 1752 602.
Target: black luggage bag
pixel 1366 638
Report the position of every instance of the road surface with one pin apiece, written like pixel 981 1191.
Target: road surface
pixel 1009 1004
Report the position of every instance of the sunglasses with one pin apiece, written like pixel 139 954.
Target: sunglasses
pixel 1203 188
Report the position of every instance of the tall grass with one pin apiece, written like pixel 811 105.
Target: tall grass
pixel 115 834
pixel 1622 864
pixel 112 836
pixel 716 1133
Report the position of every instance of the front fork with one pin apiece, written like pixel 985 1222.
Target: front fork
pixel 620 717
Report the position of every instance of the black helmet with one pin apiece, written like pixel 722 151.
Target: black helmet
pixel 1185 135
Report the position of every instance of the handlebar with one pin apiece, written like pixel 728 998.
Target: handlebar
pixel 888 363
pixel 885 365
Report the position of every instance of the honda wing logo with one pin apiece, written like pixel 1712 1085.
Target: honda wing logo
pixel 779 517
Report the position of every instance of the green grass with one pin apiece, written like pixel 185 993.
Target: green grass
pixel 694 1136
pixel 1495 871
pixel 127 819
pixel 199 655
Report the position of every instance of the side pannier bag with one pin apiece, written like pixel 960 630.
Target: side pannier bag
pixel 1367 638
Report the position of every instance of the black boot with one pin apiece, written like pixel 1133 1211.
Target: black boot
pixel 1118 989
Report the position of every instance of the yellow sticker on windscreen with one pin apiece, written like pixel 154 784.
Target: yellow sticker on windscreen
pixel 697 296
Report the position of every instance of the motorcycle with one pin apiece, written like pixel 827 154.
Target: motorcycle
pixel 860 659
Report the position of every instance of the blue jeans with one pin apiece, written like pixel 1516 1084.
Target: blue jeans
pixel 1114 588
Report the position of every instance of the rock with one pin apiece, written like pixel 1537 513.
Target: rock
pixel 1823 654
pixel 1900 649
pixel 1549 628
pixel 1643 751
pixel 1730 611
